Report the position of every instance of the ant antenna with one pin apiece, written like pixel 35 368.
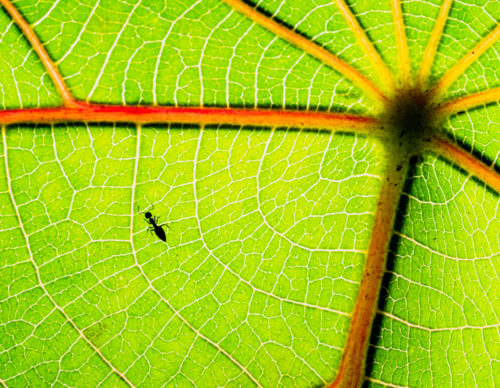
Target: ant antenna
pixel 139 209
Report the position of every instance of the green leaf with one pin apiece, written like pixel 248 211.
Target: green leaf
pixel 269 228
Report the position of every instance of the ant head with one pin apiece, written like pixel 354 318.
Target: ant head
pixel 148 215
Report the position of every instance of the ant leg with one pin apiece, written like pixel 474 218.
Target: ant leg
pixel 165 224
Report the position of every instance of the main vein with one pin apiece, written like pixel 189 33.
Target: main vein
pixel 352 367
pixel 202 116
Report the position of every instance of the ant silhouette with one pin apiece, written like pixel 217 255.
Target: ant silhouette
pixel 153 225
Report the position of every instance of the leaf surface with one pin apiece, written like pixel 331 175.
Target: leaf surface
pixel 270 229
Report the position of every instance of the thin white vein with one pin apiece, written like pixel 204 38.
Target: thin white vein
pixel 384 383
pixel 84 27
pixel 434 252
pixel 437 329
pixel 262 347
pixel 256 74
pixel 289 72
pixel 39 279
pixel 202 55
pixel 111 49
pixel 272 229
pixel 152 287
pixel 168 383
pixel 139 356
pixel 234 48
pixel 310 15
pixel 130 61
pixel 28 336
pixel 269 294
pixel 18 92
pixel 446 201
pixel 109 341
pixel 47 14
pixel 103 381
pixel 160 54
pixel 311 84
pixel 59 161
pixel 433 289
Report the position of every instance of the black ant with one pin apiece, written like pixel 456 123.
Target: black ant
pixel 153 222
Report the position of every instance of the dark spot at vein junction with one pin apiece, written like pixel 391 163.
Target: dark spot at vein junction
pixel 410 121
